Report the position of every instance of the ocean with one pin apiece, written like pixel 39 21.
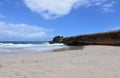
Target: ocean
pixel 27 47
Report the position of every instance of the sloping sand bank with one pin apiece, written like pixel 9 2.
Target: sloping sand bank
pixel 90 62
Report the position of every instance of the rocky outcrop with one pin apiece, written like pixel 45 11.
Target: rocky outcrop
pixel 106 38
pixel 57 39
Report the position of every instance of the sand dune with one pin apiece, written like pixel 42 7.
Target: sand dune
pixel 90 62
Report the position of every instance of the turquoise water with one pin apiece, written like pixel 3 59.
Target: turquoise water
pixel 27 47
pixel 24 42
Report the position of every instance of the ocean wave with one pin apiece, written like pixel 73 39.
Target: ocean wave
pixel 35 47
pixel 14 45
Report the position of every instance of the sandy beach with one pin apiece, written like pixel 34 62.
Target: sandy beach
pixel 89 62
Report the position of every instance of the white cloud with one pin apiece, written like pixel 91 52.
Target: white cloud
pixel 57 8
pixel 108 7
pixel 22 32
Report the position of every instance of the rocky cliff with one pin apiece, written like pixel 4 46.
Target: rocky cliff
pixel 106 38
pixel 57 39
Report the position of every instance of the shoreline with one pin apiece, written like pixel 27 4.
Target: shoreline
pixel 31 51
pixel 92 61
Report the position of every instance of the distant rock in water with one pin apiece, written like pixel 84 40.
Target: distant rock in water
pixel 57 39
pixel 106 38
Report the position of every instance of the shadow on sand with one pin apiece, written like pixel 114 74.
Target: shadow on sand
pixel 68 48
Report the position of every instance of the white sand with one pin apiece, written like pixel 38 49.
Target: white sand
pixel 91 62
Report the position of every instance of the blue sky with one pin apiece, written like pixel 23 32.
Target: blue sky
pixel 44 19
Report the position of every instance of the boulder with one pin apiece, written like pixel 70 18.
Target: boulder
pixel 57 39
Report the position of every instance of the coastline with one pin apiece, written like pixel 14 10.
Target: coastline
pixel 92 61
pixel 105 38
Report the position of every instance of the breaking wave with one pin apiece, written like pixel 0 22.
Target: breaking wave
pixel 29 47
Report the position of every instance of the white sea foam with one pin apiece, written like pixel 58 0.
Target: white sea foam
pixel 10 48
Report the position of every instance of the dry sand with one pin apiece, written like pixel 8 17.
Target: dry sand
pixel 90 62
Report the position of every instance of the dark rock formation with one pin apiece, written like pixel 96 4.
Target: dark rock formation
pixel 106 38
pixel 57 39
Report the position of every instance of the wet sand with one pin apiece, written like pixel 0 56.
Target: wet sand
pixel 86 62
